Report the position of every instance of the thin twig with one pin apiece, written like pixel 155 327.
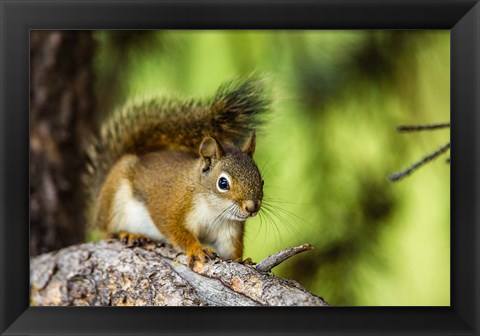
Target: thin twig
pixel 270 262
pixel 415 128
pixel 418 164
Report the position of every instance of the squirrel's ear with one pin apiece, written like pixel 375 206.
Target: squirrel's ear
pixel 210 149
pixel 249 145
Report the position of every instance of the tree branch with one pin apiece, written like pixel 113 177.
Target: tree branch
pixel 108 273
pixel 270 262
pixel 416 128
pixel 401 174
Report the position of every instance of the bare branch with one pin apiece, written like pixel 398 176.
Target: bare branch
pixel 415 128
pixel 109 273
pixel 418 164
pixel 270 262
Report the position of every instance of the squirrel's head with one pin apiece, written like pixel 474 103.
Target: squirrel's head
pixel 232 178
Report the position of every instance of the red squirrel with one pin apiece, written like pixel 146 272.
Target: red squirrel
pixel 181 171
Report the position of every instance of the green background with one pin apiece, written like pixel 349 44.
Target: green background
pixel 327 149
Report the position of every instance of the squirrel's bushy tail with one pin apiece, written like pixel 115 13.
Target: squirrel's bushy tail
pixel 233 112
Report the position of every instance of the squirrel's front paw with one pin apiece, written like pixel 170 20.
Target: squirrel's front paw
pixel 132 239
pixel 200 255
pixel 247 261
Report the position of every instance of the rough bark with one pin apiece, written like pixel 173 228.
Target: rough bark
pixel 109 273
pixel 61 118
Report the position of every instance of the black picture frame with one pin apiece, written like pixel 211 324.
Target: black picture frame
pixel 18 17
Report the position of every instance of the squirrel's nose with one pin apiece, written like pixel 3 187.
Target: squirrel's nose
pixel 252 206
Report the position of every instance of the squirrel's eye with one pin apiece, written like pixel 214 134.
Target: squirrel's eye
pixel 223 183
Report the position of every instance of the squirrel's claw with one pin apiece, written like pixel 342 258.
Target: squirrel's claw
pixel 247 261
pixel 200 256
pixel 210 253
pixel 132 239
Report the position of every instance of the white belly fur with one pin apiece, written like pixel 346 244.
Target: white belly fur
pixel 204 223
pixel 131 215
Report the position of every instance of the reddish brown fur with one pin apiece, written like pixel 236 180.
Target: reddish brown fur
pixel 154 145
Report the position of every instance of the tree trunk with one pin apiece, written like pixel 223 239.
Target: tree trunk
pixel 61 118
pixel 110 273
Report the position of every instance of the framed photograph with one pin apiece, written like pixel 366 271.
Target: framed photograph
pixel 366 149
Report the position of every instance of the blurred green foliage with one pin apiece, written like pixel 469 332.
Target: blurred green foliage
pixel 327 149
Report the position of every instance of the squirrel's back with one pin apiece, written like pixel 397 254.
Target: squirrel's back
pixel 155 124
